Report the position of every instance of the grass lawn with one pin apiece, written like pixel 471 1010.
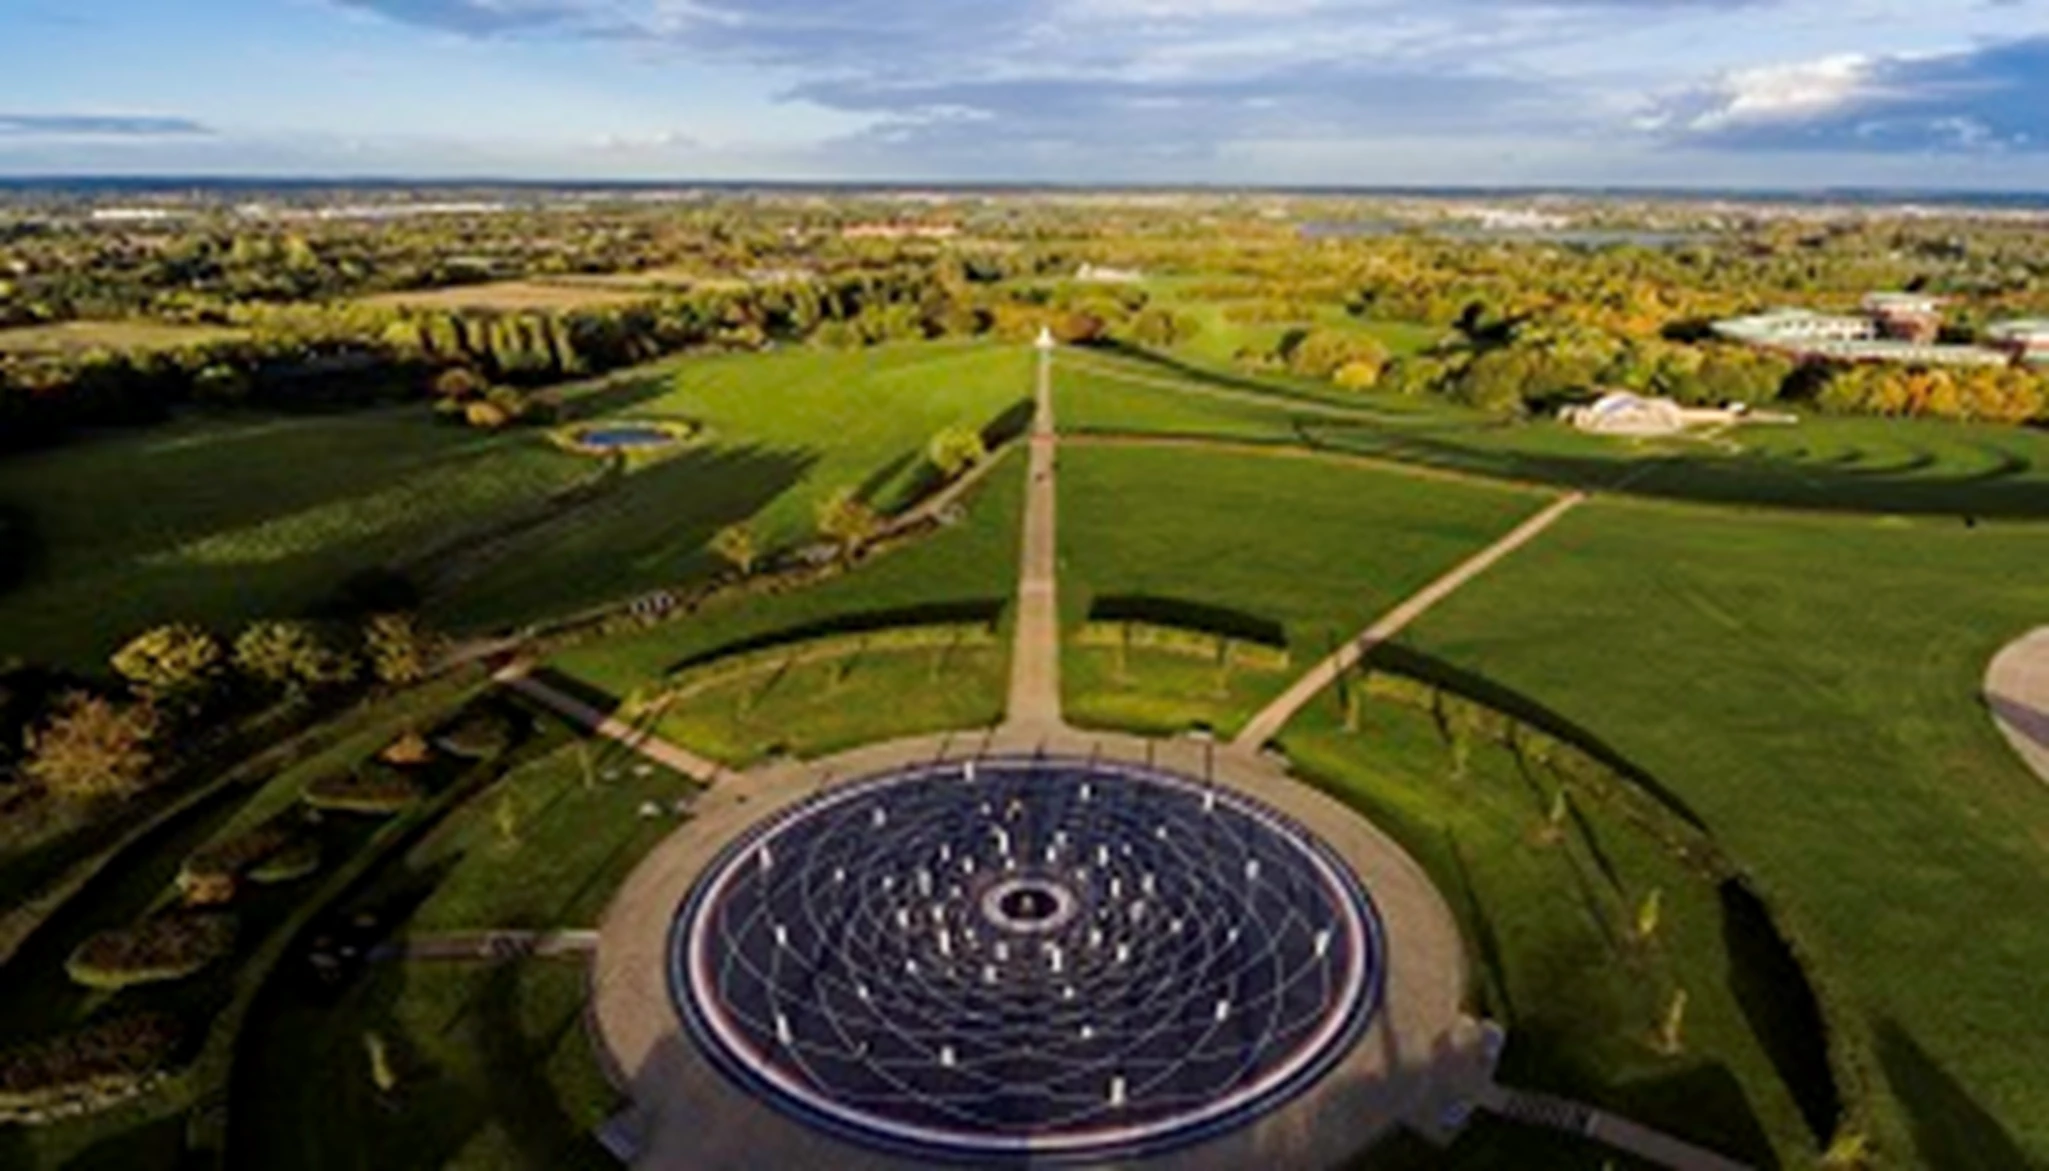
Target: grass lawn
pixel 975 562
pixel 817 709
pixel 515 296
pixel 545 847
pixel 1809 686
pixel 1318 549
pixel 1839 464
pixel 1549 913
pixel 493 1066
pixel 217 521
pixel 785 430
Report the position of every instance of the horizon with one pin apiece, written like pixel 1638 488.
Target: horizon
pixel 1680 94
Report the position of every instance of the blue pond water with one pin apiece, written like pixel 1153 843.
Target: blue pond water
pixel 621 437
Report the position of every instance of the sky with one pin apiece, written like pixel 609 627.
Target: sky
pixel 1691 93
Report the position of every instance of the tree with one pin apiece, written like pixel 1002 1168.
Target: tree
pixel 847 520
pixel 955 450
pixel 458 383
pixel 170 661
pixel 91 747
pixel 290 654
pixel 398 648
pixel 737 544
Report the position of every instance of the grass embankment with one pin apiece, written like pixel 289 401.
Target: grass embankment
pixel 783 431
pixel 1810 688
pixel 1308 549
pixel 1550 898
pixel 971 568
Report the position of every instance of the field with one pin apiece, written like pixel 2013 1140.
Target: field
pixel 217 522
pixel 1221 338
pixel 1205 533
pixel 516 296
pixel 1809 687
pixel 1823 463
pixel 971 568
pixel 78 336
pixel 786 430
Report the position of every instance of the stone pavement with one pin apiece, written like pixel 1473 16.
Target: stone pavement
pixel 2017 692
pixel 641 740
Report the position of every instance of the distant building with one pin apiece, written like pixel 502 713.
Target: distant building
pixel 2026 339
pixel 899 231
pixel 1623 413
pixel 1907 317
pixel 1105 275
pixel 1895 327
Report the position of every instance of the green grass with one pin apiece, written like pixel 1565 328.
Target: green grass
pixel 816 709
pixel 216 522
pixel 494 1070
pixel 1317 548
pixel 785 431
pixel 1550 919
pixel 975 561
pixel 1220 339
pixel 1810 687
pixel 574 836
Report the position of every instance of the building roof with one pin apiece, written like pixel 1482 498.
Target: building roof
pixel 2034 330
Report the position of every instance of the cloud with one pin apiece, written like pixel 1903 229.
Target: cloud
pixel 1991 98
pixel 97 126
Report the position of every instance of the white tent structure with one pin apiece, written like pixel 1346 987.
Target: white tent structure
pixel 1622 413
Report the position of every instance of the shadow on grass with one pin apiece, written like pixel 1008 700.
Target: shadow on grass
pixel 1769 985
pixel 1950 1128
pixel 1399 659
pixel 516 1091
pixel 1705 1105
pixel 2004 489
pixel 968 612
pixel 623 394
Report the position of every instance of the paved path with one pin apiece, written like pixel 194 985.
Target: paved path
pixel 495 946
pixel 1035 659
pixel 1267 724
pixel 1603 1127
pixel 640 740
pixel 2017 691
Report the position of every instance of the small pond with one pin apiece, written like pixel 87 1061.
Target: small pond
pixel 624 437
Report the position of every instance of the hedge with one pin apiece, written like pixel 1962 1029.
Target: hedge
pixel 168 947
pixel 373 791
pixel 91 1069
pixel 1185 642
pixel 710 672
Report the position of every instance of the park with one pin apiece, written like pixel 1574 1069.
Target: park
pixel 1025 747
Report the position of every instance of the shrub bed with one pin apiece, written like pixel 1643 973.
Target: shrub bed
pixel 379 792
pixel 93 1069
pixel 168 947
pixel 479 735
pixel 294 862
pixel 211 874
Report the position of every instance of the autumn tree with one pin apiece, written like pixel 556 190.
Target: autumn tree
pixel 175 661
pixel 955 450
pixel 398 648
pixel 738 546
pixel 292 655
pixel 848 521
pixel 92 747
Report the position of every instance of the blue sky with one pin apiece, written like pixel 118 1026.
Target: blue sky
pixel 1923 93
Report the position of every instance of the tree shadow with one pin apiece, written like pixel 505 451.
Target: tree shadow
pixel 1773 992
pixel 1950 1128
pixel 1704 1105
pixel 1401 659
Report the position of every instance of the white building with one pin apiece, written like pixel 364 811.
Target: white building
pixel 1623 413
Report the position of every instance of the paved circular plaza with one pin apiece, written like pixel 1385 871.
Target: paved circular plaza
pixel 1043 958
